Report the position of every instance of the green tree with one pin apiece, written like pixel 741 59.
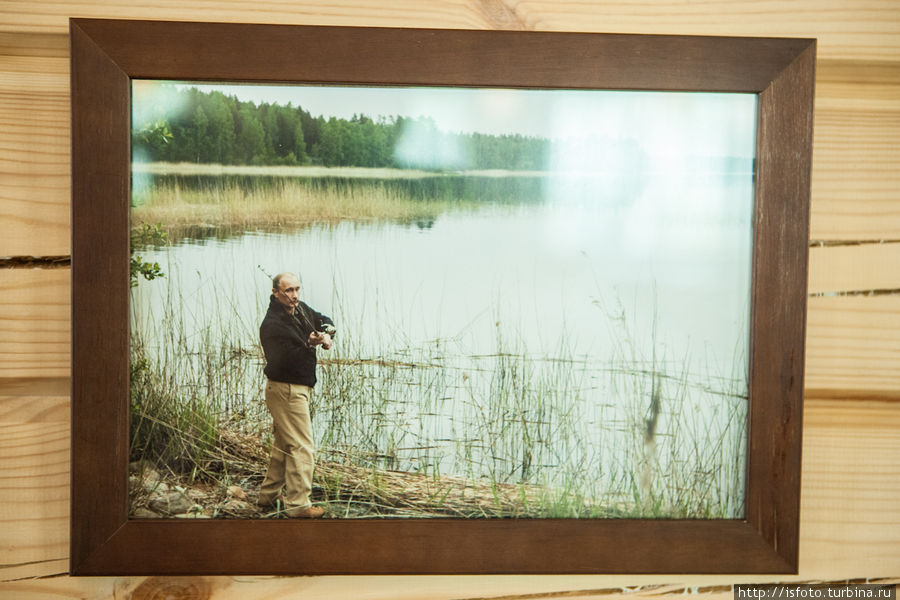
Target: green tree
pixel 250 147
pixel 312 130
pixel 330 148
pixel 203 142
pixel 221 129
pixel 300 145
pixel 284 129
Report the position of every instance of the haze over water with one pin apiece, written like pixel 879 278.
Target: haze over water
pixel 617 282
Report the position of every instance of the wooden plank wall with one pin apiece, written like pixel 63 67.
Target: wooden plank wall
pixel 850 526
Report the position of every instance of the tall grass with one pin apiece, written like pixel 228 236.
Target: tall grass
pixel 504 433
pixel 516 434
pixel 168 426
pixel 208 206
pixel 186 383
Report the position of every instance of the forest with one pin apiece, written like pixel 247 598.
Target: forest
pixel 220 129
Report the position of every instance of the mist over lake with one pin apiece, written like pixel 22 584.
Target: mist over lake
pixel 585 298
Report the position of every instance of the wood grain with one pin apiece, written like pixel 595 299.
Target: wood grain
pixel 778 329
pixel 856 174
pixel 106 53
pixel 851 484
pixel 32 386
pixel 850 522
pixel 34 477
pixel 50 45
pixel 34 469
pixel 34 149
pixel 853 342
pixel 34 330
pixel 853 347
pixel 854 268
pixel 29 409
pixel 862 30
pixel 397 588
pixel 850 526
pixel 856 157
pixel 534 587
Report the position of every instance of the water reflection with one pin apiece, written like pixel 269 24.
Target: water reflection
pixel 533 340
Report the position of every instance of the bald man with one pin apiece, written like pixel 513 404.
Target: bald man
pixel 290 334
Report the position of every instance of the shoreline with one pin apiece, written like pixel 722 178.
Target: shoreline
pixel 306 196
pixel 312 171
pixel 322 172
pixel 345 490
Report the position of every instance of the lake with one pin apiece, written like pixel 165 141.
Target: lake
pixel 585 332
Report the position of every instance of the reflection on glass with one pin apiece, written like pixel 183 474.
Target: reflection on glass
pixel 542 297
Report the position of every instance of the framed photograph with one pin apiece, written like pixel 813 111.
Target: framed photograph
pixel 515 302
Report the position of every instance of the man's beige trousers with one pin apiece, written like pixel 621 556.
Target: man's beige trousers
pixel 292 460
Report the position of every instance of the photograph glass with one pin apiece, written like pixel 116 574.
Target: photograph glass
pixel 541 298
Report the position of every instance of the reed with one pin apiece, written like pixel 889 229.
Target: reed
pixel 199 207
pixel 422 430
pixel 422 427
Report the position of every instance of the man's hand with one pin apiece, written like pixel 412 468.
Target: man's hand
pixel 317 338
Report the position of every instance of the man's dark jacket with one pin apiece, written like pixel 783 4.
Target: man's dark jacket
pixel 283 337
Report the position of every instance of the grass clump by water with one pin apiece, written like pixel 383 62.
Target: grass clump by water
pixel 168 428
pixel 202 206
pixel 425 429
pixel 536 437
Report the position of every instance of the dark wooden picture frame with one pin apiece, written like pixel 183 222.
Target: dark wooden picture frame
pixel 107 55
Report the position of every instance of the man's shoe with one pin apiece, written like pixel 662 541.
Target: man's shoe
pixel 270 503
pixel 310 512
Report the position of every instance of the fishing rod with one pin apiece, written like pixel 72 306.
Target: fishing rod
pixel 299 313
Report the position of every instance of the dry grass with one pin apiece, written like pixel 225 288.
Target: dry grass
pixel 348 490
pixel 355 489
pixel 162 168
pixel 286 204
pixel 411 494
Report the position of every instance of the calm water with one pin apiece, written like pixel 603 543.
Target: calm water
pixel 546 320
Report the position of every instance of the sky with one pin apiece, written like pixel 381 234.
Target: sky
pixel 665 124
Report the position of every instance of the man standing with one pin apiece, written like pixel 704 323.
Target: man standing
pixel 290 333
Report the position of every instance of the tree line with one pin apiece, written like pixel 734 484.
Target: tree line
pixel 220 129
